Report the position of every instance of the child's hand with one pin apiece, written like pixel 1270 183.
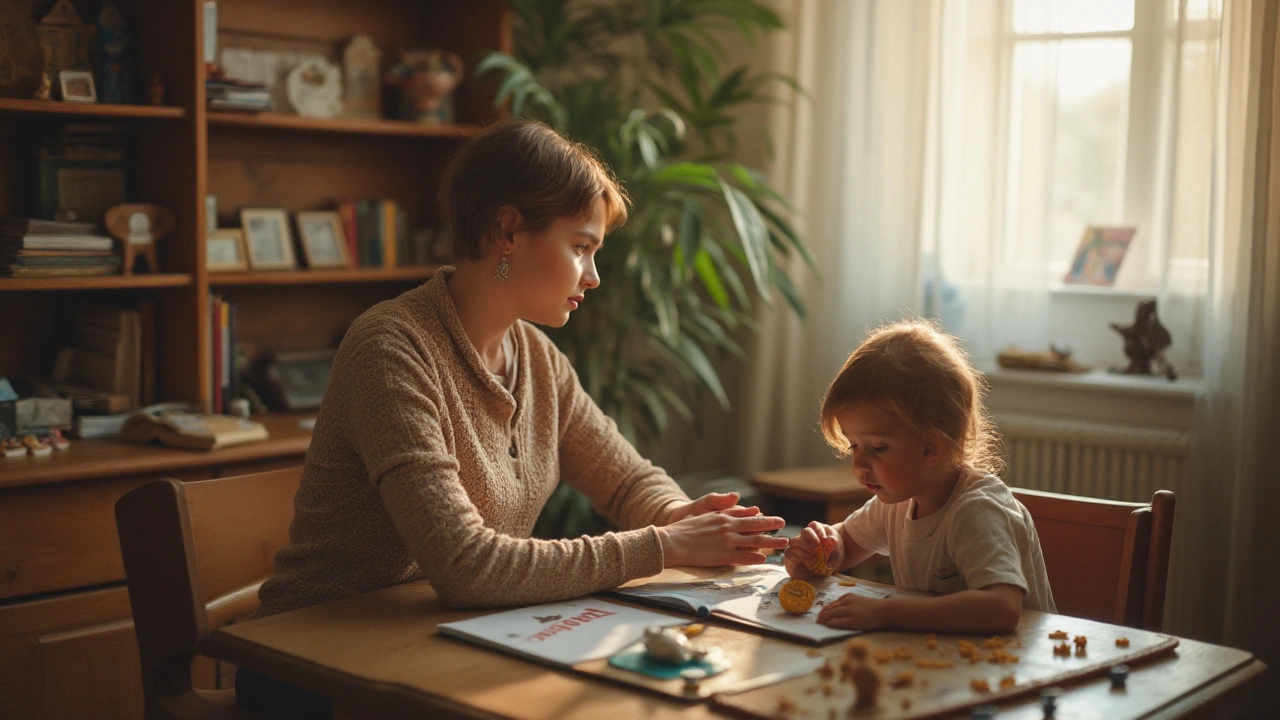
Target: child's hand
pixel 855 612
pixel 803 548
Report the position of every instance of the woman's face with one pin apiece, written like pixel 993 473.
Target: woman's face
pixel 550 270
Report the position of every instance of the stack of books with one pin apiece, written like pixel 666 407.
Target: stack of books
pixel 227 94
pixel 42 248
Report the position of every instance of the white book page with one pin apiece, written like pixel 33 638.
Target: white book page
pixel 762 609
pixel 703 596
pixel 564 633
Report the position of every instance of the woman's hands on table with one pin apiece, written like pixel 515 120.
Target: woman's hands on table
pixel 714 530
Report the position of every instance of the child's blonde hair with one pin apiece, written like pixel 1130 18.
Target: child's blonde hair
pixel 922 375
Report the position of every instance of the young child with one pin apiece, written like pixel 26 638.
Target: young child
pixel 907 408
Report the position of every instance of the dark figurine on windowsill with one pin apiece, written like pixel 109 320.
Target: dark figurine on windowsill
pixel 1145 342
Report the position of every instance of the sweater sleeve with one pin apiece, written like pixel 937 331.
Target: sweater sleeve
pixel 596 459
pixel 398 425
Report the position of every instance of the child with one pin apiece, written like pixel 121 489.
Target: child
pixel 907 408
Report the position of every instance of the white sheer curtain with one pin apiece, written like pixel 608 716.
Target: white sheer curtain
pixel 849 155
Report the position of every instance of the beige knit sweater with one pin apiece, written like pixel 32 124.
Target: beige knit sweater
pixel 423 465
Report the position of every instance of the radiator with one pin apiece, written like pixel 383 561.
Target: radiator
pixel 1116 462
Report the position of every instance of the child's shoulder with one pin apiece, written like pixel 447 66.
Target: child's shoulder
pixel 983 489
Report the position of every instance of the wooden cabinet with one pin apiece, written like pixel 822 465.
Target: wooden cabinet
pixel 66 637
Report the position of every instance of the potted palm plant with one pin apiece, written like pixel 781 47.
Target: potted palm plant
pixel 642 83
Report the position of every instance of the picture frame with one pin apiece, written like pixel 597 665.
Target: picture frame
pixel 1098 258
pixel 224 250
pixel 77 86
pixel 323 241
pixel 268 241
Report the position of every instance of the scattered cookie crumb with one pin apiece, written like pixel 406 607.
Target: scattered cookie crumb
pixel 693 629
pixel 857 649
pixel 827 688
pixel 905 679
pixel 813 653
pixel 1062 649
pixel 906 703
pixel 980 685
pixel 866 681
pixel 1122 642
pixel 994 642
pixel 1081 641
pixel 934 664
pixel 847 583
pixel 1001 656
pixel 786 704
pixel 902 652
pixel 931 641
pixel 1007 682
pixel 1058 635
pixel 884 657
pixel 966 649
pixel 824 670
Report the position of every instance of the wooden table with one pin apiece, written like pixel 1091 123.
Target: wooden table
pixel 831 486
pixel 379 655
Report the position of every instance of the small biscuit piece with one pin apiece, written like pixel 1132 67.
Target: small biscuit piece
pixel 1081 641
pixel 980 685
pixel 934 664
pixel 813 653
pixel 884 657
pixel 905 679
pixel 796 597
pixel 786 704
pixel 847 583
pixel 1058 635
pixel 967 650
pixel 1122 642
pixel 931 641
pixel 858 649
pixel 693 629
pixel 1062 649
pixel 1007 682
pixel 866 680
pixel 818 565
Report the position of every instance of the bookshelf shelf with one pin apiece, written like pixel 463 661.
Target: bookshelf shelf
pixel 57 107
pixel 325 277
pixel 402 128
pixel 103 282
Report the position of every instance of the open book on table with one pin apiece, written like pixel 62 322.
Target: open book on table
pixel 749 595
pixel 564 633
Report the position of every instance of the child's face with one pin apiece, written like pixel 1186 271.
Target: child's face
pixel 888 458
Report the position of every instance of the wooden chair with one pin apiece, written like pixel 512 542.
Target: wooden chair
pixel 1107 560
pixel 194 556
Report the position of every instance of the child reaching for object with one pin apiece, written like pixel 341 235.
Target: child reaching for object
pixel 907 409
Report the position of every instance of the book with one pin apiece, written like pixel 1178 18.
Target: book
pixel 564 633
pixel 192 431
pixel 72 271
pixel 35 226
pixel 57 242
pixel 749 595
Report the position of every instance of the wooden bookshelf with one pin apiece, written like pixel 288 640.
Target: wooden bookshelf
pixel 101 282
pixel 57 107
pixel 318 277
pixel 72 636
pixel 293 123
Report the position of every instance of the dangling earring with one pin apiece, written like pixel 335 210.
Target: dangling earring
pixel 503 268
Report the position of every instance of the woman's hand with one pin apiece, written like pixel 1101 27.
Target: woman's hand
pixel 855 612
pixel 728 537
pixel 709 503
pixel 804 546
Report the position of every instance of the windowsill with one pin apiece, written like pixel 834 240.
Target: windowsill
pixel 1097 396
pixel 1118 293
pixel 1099 379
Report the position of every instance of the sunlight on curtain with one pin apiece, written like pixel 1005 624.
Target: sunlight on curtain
pixel 1061 115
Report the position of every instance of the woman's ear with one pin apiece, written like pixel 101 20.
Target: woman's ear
pixel 508 222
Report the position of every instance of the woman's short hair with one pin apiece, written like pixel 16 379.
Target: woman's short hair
pixel 532 168
pixel 923 376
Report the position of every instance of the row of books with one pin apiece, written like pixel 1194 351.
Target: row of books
pixel 111 362
pixel 32 247
pixel 378 235
pixel 223 379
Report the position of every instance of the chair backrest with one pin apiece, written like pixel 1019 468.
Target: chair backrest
pixel 194 556
pixel 1107 560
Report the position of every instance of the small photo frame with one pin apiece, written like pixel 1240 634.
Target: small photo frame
pixel 324 244
pixel 224 251
pixel 1098 258
pixel 267 240
pixel 77 86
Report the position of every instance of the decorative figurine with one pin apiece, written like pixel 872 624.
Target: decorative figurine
pixel 314 88
pixel 56 440
pixel 46 88
pixel 115 41
pixel 35 446
pixel 13 447
pixel 155 92
pixel 426 78
pixel 670 645
pixel 138 227
pixel 1145 342
pixel 362 96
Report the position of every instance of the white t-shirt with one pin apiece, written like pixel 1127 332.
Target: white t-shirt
pixel 981 536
